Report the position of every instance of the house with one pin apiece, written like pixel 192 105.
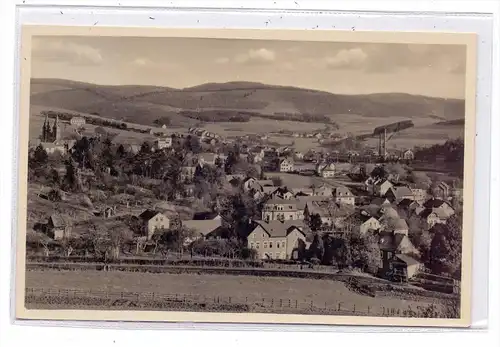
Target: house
pixel 187 172
pixel 133 148
pixel 408 155
pixel 59 226
pixel 201 228
pixel 77 121
pixel 330 214
pixel 380 201
pixel 152 221
pixel 397 193
pixel 303 191
pixel 370 185
pixel 305 167
pixel 433 216
pixel 207 159
pixel 410 206
pixel 286 165
pixel 299 155
pixel 281 193
pixel 252 184
pixel 282 210
pixel 276 239
pixel 368 223
pixel 442 191
pixel 381 187
pixel 164 142
pixel 325 170
pixel 408 265
pixel 343 196
pixel 419 193
pixel 444 207
pixel 53 147
pixel 392 245
pixel 396 225
pixel 322 190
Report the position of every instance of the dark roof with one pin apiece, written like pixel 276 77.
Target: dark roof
pixel 380 201
pixel 401 191
pixel 425 213
pixel 405 203
pixel 434 203
pixel 281 229
pixel 148 214
pixel 390 241
pixel 207 215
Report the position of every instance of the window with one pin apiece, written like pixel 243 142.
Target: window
pixel 257 245
pixel 278 255
pixel 283 244
pixel 270 244
pixel 251 244
pixel 277 245
pixel 265 244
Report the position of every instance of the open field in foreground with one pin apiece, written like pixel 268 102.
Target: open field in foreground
pixel 299 294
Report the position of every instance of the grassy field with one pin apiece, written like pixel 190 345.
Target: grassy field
pixel 253 289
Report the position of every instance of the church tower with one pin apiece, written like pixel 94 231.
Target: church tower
pixel 56 131
pixel 45 129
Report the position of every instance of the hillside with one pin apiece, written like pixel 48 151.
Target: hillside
pixel 144 104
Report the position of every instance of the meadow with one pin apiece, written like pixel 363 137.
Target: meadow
pixel 251 289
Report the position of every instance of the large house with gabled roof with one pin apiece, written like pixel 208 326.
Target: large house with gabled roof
pixel 277 240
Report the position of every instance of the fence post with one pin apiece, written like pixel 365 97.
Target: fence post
pixel 339 307
pixel 354 309
pixel 311 304
pixel 281 302
pixel 296 304
pixel 272 302
pixel 229 299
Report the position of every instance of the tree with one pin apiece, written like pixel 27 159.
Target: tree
pixel 317 249
pixel 40 157
pixel 70 180
pixel 420 178
pixel 315 222
pixel 379 172
pixel 396 170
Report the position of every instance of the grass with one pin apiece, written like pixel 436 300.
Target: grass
pixel 326 292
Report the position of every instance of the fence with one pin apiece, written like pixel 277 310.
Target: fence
pixel 109 299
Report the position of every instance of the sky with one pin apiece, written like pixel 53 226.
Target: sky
pixel 337 67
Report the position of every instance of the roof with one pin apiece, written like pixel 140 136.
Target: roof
pixel 59 220
pixel 280 229
pixel 288 160
pixel 148 214
pixel 434 203
pixel 289 205
pixel 426 212
pixel 207 215
pixel 342 191
pixel 264 183
pixel 401 192
pixel 324 208
pixel 390 242
pixel 380 182
pixel 405 203
pixel 202 227
pixel 380 201
pixel 407 259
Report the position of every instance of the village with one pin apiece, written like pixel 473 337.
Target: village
pixel 198 195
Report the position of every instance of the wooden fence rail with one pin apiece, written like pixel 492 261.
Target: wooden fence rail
pixel 279 305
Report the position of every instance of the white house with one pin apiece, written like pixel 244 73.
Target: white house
pixel 286 165
pixel 276 240
pixel 344 196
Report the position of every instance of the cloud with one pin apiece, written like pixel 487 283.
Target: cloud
pixel 71 52
pixel 222 60
pixel 352 58
pixel 258 56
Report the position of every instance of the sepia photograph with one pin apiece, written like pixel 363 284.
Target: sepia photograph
pixel 246 176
